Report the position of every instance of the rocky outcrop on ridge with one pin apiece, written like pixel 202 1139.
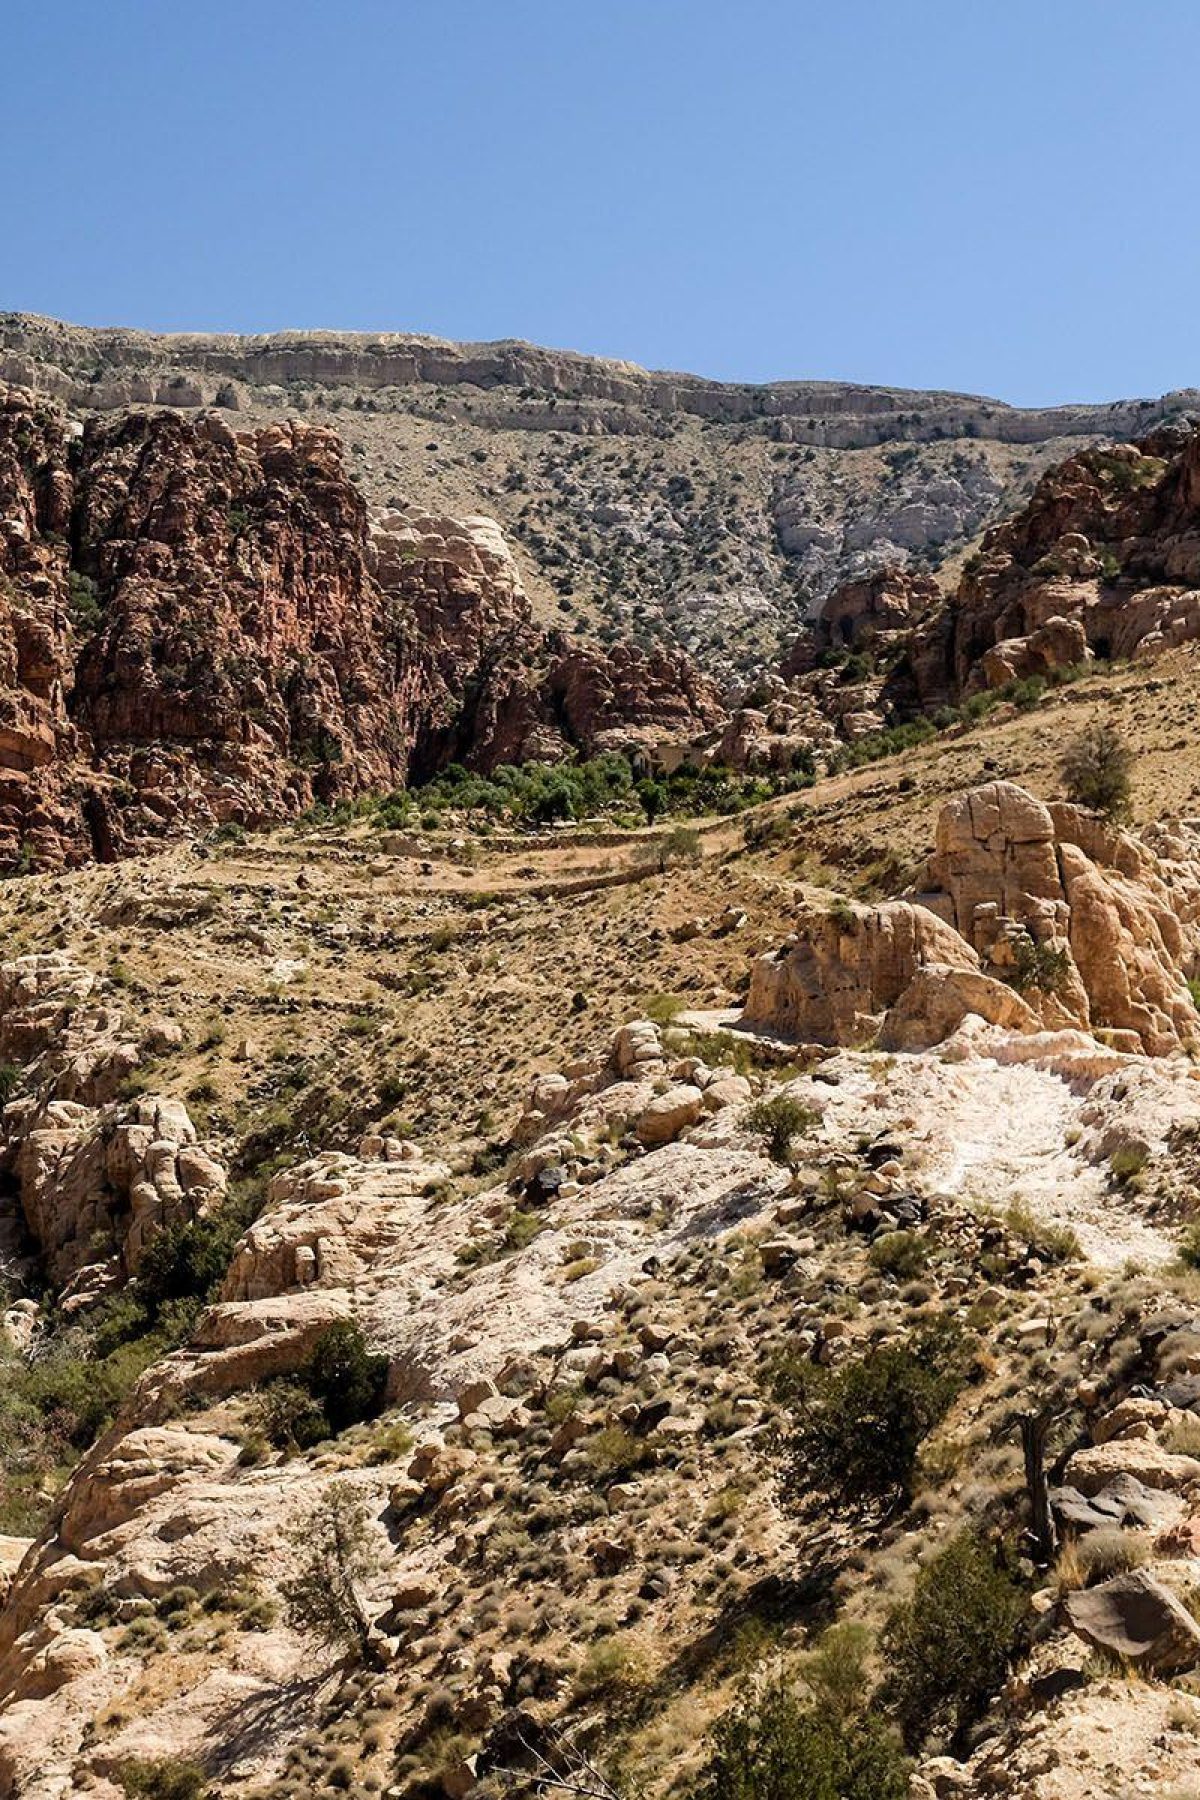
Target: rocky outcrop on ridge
pixel 198 626
pixel 1104 561
pixel 115 368
pixel 1029 916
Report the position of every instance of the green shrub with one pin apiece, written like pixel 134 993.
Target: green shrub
pixel 172 1778
pixel 188 1261
pixel 855 1432
pixel 902 1254
pixel 664 1009
pixel 10 1077
pixel 287 1416
pixel 343 1377
pixel 615 1451
pixel 949 1647
pixel 339 1385
pixel 1053 1243
pixel 84 601
pixel 1096 768
pixel 1038 966
pixel 775 1745
pixel 843 914
pixel 778 1122
pixel 1127 1163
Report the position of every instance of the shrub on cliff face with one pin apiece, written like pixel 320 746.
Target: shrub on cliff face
pixel 1096 769
pixel 343 1377
pixel 341 1384
pixel 1039 966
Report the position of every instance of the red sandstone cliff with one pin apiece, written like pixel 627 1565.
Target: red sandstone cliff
pixel 198 625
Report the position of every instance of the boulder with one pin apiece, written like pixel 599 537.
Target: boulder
pixel 1094 1468
pixel 668 1114
pixel 1135 1618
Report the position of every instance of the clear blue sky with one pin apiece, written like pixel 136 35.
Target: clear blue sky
pixel 993 195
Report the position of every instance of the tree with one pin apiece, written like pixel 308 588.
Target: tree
pixel 856 1431
pixel 775 1744
pixel 343 1377
pixel 1096 768
pixel 338 1556
pixel 681 845
pixel 948 1648
pixel 653 798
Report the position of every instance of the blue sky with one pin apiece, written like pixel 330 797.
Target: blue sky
pixel 991 195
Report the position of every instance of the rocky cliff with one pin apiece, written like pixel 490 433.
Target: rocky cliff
pixel 1104 561
pixel 1030 916
pixel 199 626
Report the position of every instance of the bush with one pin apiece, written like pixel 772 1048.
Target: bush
pixel 774 1745
pixel 1102 1554
pixel 340 1385
pixel 84 601
pixel 173 1778
pixel 902 1254
pixel 949 1647
pixel 778 1122
pixel 1127 1163
pixel 1038 966
pixel 1053 1243
pixel 188 1261
pixel 286 1414
pixel 1096 770
pixel 10 1077
pixel 343 1377
pixel 856 1431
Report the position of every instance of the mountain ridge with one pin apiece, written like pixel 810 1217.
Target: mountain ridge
pixel 412 357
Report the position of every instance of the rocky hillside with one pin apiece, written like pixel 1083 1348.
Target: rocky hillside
pixel 1104 561
pixel 441 1290
pixel 199 627
pixel 661 507
pixel 498 1302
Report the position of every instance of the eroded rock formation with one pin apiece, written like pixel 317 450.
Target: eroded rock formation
pixel 95 1179
pixel 1030 916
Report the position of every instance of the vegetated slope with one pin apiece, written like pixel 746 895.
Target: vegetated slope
pixel 572 1517
pixel 664 507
